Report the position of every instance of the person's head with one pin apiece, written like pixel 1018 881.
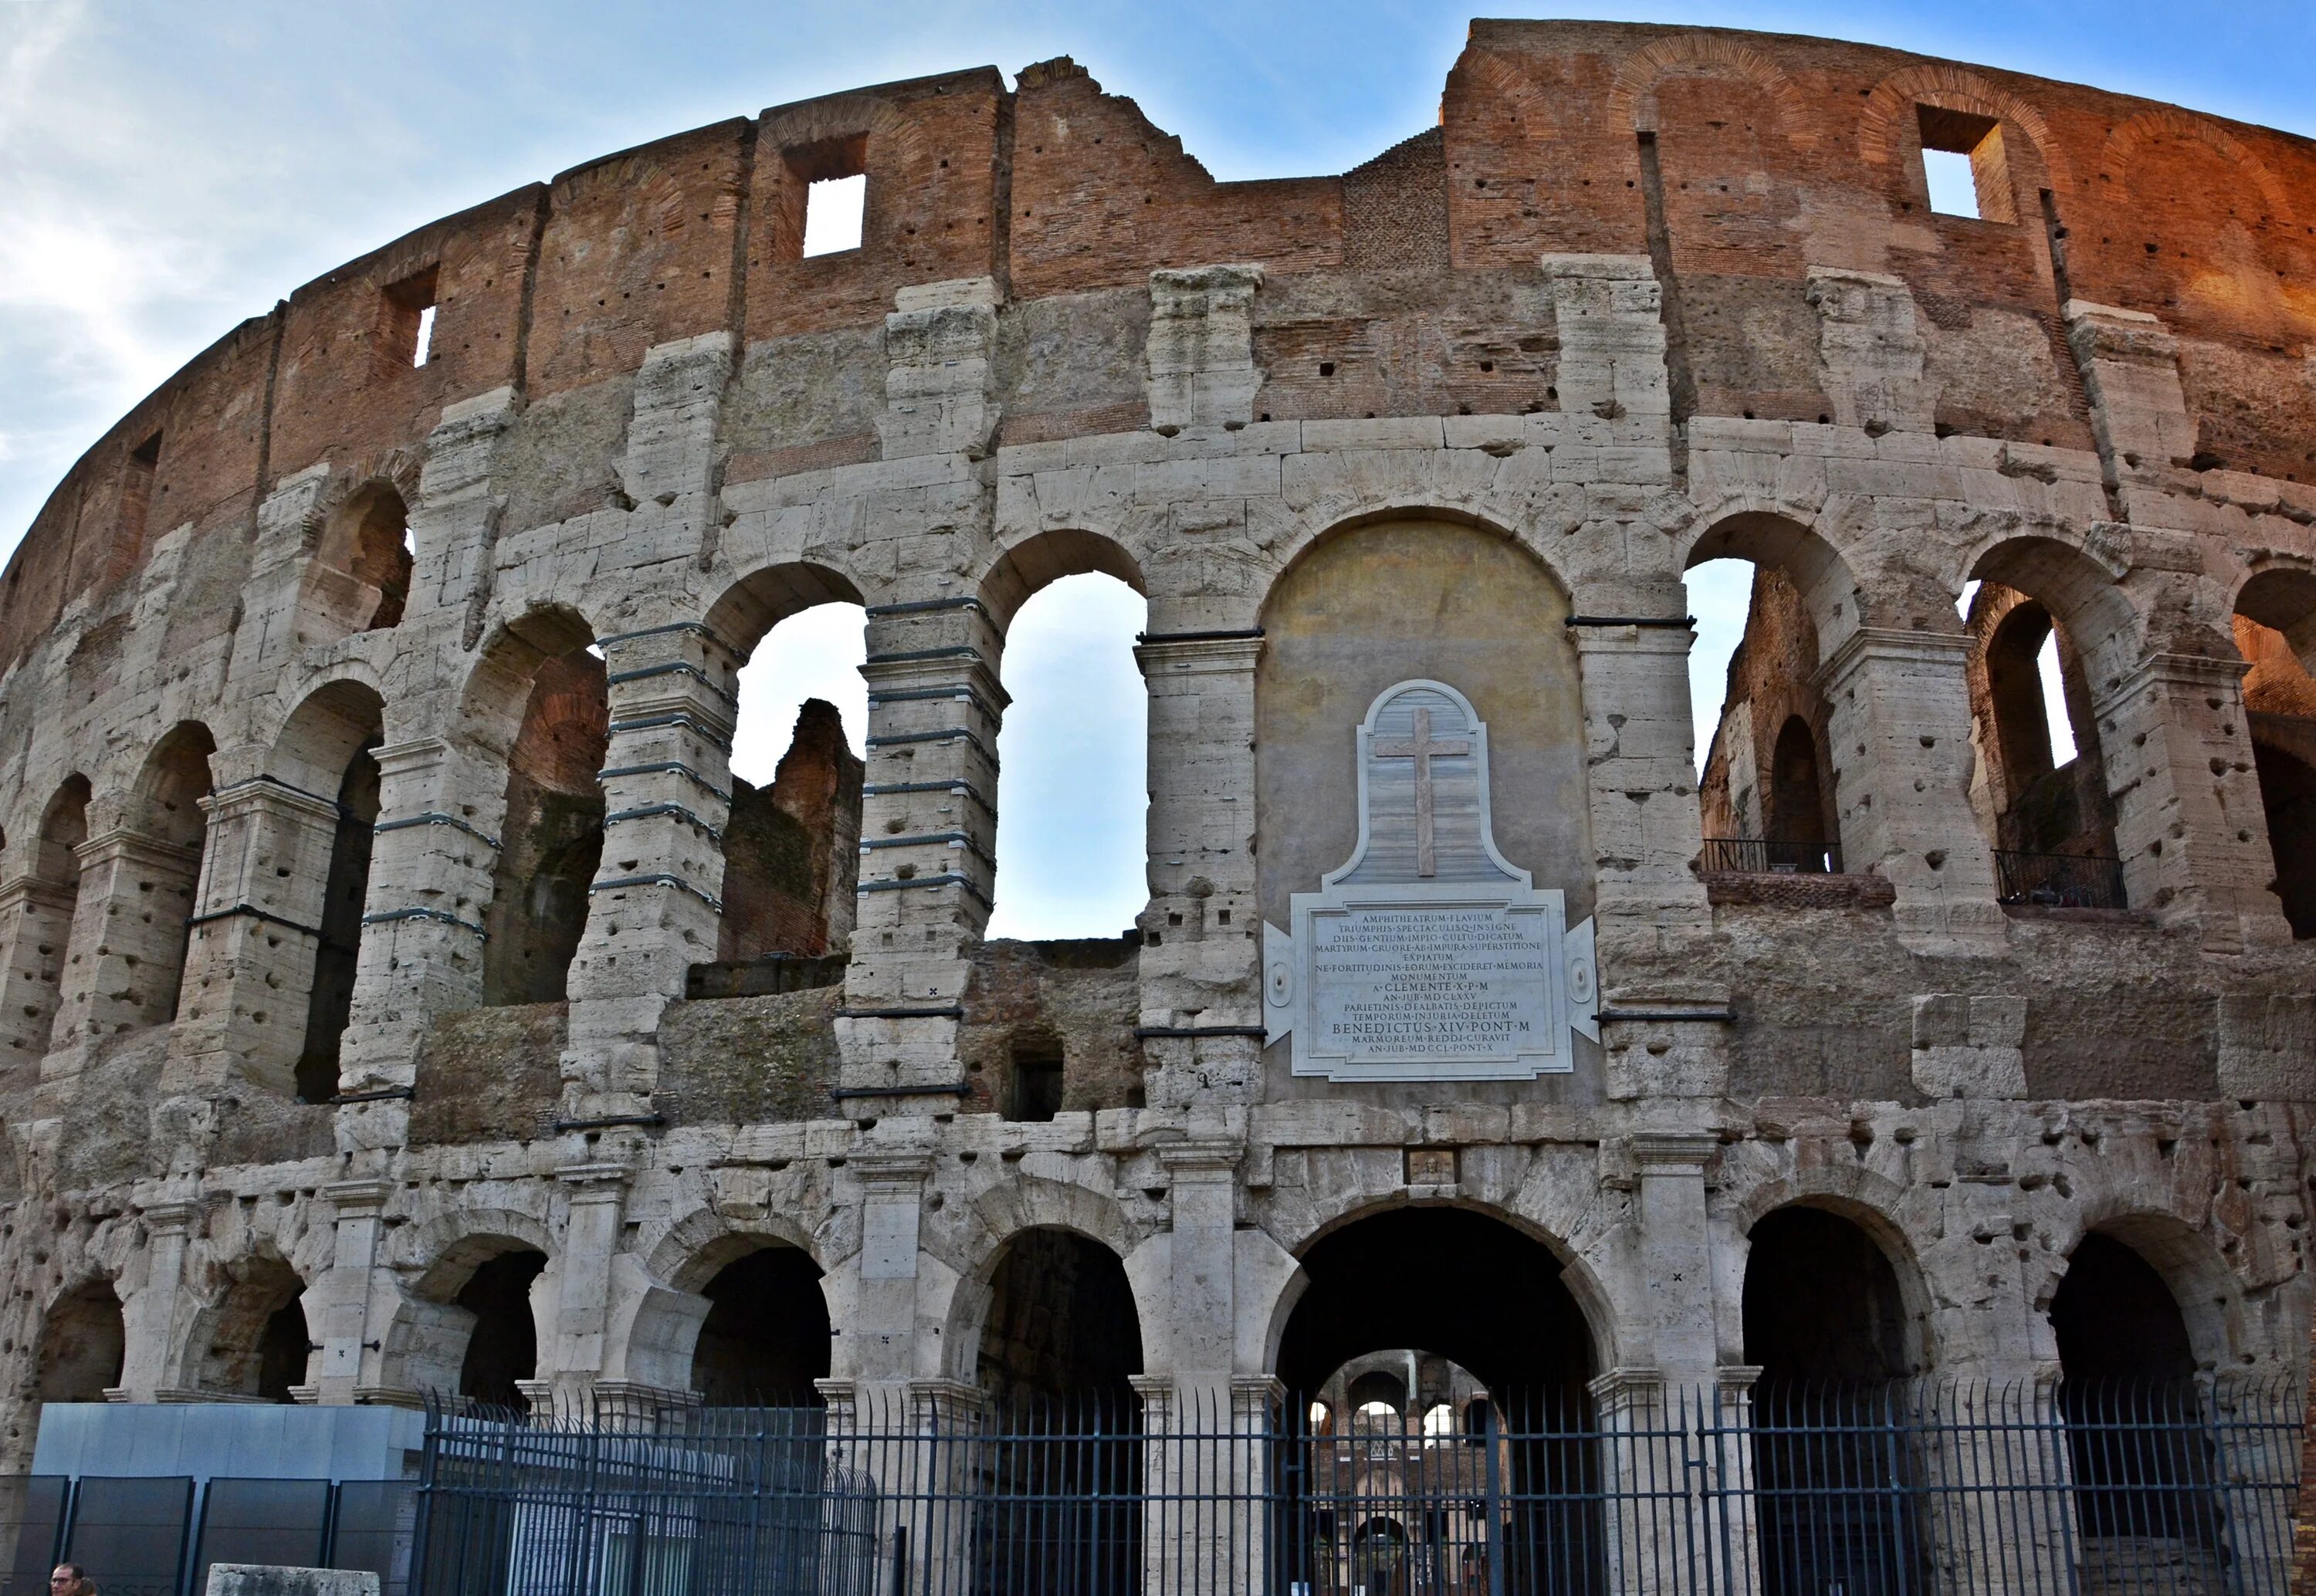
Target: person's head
pixel 70 1579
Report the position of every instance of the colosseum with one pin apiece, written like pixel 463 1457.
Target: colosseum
pixel 1878 1163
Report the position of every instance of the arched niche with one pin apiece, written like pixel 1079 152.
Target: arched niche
pixel 35 985
pixel 255 1337
pixel 1417 597
pixel 2274 626
pixel 1059 1324
pixel 359 576
pixel 2038 800
pixel 170 789
pixel 328 749
pixel 83 1344
pixel 765 1338
pixel 541 694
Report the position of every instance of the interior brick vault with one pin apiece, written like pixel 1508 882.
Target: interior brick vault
pixel 385 948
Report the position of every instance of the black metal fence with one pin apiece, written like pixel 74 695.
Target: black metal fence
pixel 1757 855
pixel 1916 1489
pixel 2059 880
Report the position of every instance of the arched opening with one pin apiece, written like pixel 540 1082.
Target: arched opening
pixel 176 779
pixel 1825 1321
pixel 329 746
pixel 551 837
pixel 1765 791
pixel 766 1336
pixel 502 1344
pixel 82 1346
pixel 33 981
pixel 1060 1341
pixel 360 577
pixel 1507 1349
pixel 1072 797
pixel 2275 632
pixel 2039 783
pixel 2136 1435
pixel 792 843
pixel 258 1339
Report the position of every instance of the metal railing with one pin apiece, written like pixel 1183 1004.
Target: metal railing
pixel 1910 1489
pixel 2059 880
pixel 1757 855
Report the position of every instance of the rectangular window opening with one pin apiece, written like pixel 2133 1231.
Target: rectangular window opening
pixel 1038 1082
pixel 833 209
pixel 136 493
pixel 409 333
pixel 1964 166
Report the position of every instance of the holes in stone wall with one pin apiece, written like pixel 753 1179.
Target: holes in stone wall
pixel 34 986
pixel 1964 165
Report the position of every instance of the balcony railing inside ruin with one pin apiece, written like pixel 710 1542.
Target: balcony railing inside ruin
pixel 1760 855
pixel 2059 880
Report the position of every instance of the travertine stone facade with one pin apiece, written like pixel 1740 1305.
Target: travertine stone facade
pixel 1645 297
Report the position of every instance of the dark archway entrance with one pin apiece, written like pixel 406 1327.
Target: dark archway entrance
pixel 503 1347
pixel 82 1346
pixel 765 1340
pixel 2136 1436
pixel 1503 1481
pixel 1062 1513
pixel 1826 1323
pixel 2288 792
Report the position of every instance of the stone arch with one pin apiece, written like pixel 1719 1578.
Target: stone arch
pixel 2208 1293
pixel 1950 87
pixel 329 724
pixel 1593 1300
pixel 688 1256
pixel 1024 567
pixel 657 1318
pixel 1632 95
pixel 425 1345
pixel 2083 595
pixel 1344 509
pixel 767 594
pixel 2280 596
pixel 1485 76
pixel 438 1256
pixel 251 1338
pixel 1002 1213
pixel 537 702
pixel 357 569
pixel 1870 1201
pixel 173 780
pixel 2125 145
pixel 1056 1313
pixel 83 1343
pixel 1784 536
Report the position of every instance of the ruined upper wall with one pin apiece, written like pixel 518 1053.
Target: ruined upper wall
pixel 1738 163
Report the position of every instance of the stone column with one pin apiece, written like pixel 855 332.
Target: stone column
pixel 928 837
pixel 1898 726
pixel 1674 1259
pixel 656 899
pixel 1644 1532
pixel 155 1365
pixel 1198 367
pixel 128 940
pixel 36 920
pixel 596 1195
pixel 338 1305
pixel 1646 828
pixel 249 970
pixel 1200 967
pixel 879 1344
pixel 439 804
pixel 2188 821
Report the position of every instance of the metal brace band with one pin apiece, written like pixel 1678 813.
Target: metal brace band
pixel 930 839
pixel 673 668
pixel 948 735
pixel 388 915
pixel 1708 1016
pixel 261 779
pixel 667 768
pixel 926 607
pixel 250 911
pixel 383 1095
pixel 1681 622
pixel 1227 634
pixel 679 718
pixel 694 626
pixel 963 650
pixel 881 789
pixel 657 879
pixel 651 810
pixel 1148 1032
pixel 942 1089
pixel 435 817
pixel 919 882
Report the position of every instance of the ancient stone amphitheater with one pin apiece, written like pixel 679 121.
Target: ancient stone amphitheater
pixel 398 995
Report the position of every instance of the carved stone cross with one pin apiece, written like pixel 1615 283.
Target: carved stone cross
pixel 1422 750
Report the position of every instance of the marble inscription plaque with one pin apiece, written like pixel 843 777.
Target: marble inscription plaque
pixel 1428 956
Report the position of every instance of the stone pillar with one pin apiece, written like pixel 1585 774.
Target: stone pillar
pixel 2188 822
pixel 1898 724
pixel 1198 368
pixel 656 899
pixel 879 1344
pixel 939 382
pixel 1203 1319
pixel 1200 966
pixel 440 803
pixel 1871 352
pixel 1674 1259
pixel 338 1311
pixel 2130 366
pixel 154 1364
pixel 1647 832
pixel 36 920
pixel 127 939
pixel 1646 1533
pixel 1206 1483
pixel 249 970
pixel 596 1195
pixel 928 837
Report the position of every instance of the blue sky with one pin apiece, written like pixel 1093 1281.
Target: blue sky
pixel 166 170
